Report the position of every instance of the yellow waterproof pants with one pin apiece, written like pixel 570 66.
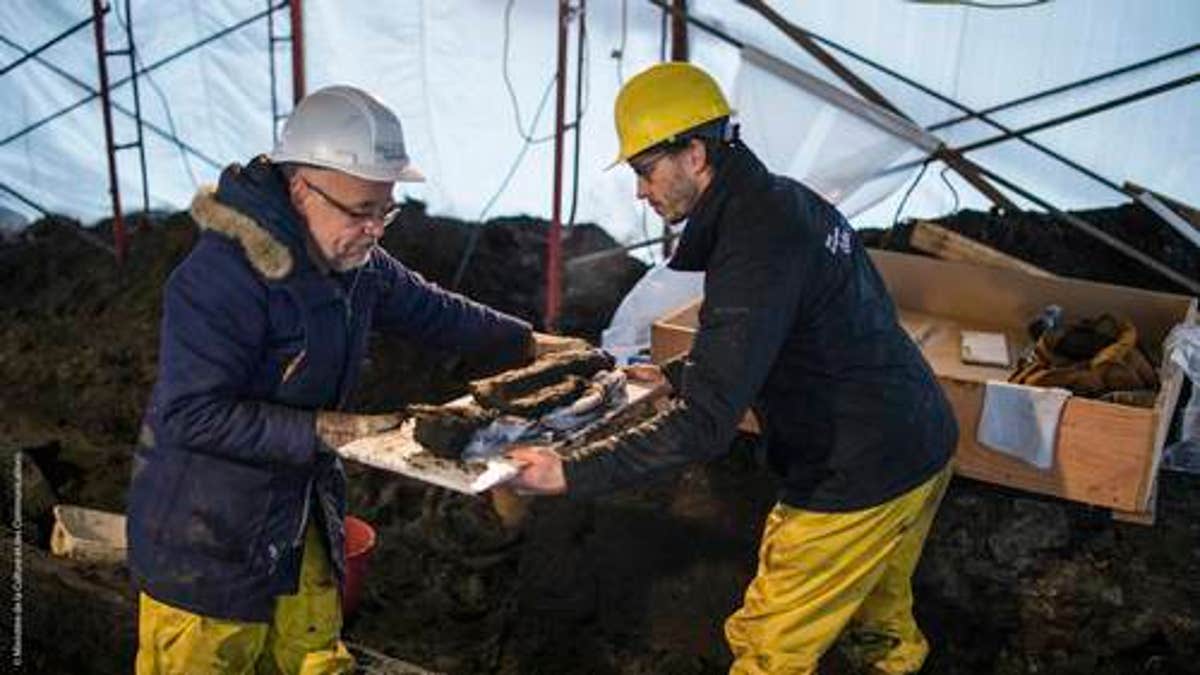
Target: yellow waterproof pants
pixel 819 573
pixel 303 636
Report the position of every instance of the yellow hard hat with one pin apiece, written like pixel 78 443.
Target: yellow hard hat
pixel 662 102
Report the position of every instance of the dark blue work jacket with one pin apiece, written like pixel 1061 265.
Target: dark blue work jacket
pixel 255 338
pixel 796 324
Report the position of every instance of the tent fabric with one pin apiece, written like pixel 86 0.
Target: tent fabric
pixel 440 65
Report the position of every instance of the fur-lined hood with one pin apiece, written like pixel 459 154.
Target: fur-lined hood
pixel 270 256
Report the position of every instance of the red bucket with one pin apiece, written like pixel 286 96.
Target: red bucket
pixel 360 542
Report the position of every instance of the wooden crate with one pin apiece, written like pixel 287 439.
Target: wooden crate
pixel 1106 454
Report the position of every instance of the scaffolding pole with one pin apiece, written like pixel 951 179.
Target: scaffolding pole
pixel 131 51
pixel 1099 77
pixel 141 71
pixel 120 241
pixel 297 18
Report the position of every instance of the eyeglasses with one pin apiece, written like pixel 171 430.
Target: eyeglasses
pixel 643 166
pixel 385 214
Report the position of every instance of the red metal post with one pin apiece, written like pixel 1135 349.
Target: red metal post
pixel 120 241
pixel 554 240
pixel 296 11
pixel 679 31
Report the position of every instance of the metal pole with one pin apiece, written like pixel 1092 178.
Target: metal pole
pixel 120 241
pixel 554 240
pixel 679 36
pixel 61 36
pixel 1067 87
pixel 271 66
pixel 1070 117
pixel 24 200
pixel 1056 121
pixel 297 18
pixel 137 111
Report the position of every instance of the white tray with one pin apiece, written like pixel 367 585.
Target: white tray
pixel 398 452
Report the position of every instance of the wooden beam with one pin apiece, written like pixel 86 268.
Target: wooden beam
pixel 948 245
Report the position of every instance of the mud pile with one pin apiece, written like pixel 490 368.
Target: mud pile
pixel 1057 247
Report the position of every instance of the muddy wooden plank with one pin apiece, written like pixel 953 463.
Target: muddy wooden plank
pixel 948 245
pixel 398 452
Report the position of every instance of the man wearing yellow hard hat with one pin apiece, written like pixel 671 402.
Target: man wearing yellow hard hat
pixel 797 326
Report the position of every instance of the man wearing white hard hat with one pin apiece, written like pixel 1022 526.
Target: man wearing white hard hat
pixel 237 501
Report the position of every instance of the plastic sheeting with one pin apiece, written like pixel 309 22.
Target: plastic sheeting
pixel 1182 348
pixel 439 63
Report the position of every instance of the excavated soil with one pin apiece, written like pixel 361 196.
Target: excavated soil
pixel 637 582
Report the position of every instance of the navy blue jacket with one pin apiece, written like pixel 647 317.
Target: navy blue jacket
pixel 255 338
pixel 797 324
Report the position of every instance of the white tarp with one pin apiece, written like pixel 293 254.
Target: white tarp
pixel 439 64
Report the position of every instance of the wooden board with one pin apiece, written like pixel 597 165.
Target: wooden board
pixel 398 452
pixel 949 245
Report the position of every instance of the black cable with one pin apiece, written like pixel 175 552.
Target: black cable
pixel 950 185
pixel 908 192
pixel 162 99
pixel 646 232
pixel 579 110
pixel 512 94
pixel 1010 5
pixel 53 41
pixel 473 238
pixel 618 54
pixel 24 200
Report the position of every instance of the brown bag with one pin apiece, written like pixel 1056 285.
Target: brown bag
pixel 1091 357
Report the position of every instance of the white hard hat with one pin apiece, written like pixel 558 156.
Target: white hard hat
pixel 348 130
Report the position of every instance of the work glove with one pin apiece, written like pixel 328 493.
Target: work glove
pixel 335 429
pixel 541 344
pixel 1090 358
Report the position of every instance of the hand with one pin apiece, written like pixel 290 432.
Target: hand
pixel 336 429
pixel 646 372
pixel 545 343
pixel 541 471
